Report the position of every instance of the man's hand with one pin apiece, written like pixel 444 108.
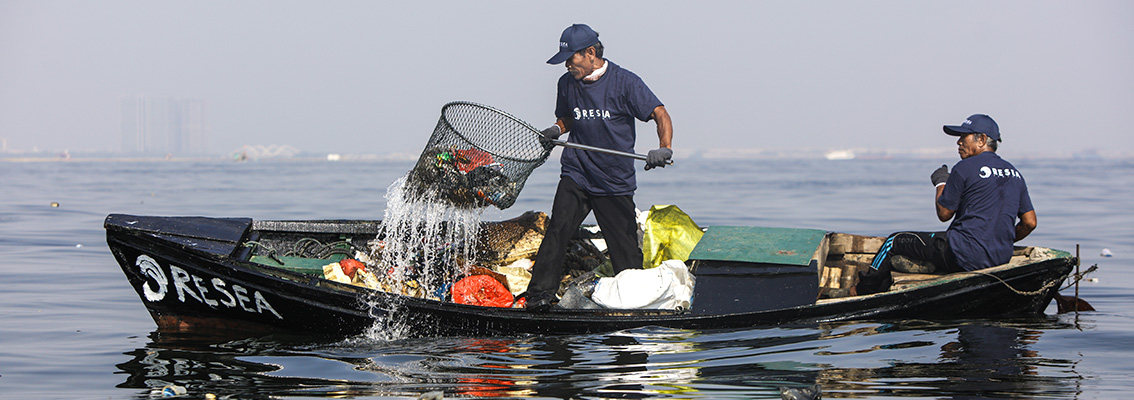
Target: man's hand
pixel 552 132
pixel 658 157
pixel 940 176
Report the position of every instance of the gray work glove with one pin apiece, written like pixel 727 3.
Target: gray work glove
pixel 658 157
pixel 940 175
pixel 551 133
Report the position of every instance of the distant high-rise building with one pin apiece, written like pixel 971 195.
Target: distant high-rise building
pixel 163 125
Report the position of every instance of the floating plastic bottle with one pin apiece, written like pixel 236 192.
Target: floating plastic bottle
pixel 169 391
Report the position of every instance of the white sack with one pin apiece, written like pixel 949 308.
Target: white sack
pixel 669 286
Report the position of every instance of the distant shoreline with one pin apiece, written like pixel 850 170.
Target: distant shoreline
pixel 706 155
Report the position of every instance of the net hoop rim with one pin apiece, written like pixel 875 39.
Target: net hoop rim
pixel 521 122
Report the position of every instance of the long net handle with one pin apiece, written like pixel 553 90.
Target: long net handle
pixel 637 156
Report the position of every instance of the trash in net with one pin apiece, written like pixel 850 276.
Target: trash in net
pixel 477 156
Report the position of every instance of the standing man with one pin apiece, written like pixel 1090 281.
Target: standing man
pixel 597 102
pixel 984 196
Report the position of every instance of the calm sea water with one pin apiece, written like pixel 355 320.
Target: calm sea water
pixel 71 326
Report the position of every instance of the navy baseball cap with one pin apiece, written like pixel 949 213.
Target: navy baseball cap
pixel 977 123
pixel 576 37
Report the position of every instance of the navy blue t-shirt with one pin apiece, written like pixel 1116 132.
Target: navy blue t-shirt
pixel 602 115
pixel 988 194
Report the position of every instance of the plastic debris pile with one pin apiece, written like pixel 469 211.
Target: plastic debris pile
pixel 469 178
pixel 448 255
pixel 446 265
pixel 440 258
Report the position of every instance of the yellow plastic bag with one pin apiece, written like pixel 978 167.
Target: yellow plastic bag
pixel 668 234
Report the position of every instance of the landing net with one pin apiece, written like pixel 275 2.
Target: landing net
pixel 477 156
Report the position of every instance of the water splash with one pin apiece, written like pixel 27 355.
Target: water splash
pixel 426 244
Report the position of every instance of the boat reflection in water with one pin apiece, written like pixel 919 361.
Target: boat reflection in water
pixel 959 360
pixel 964 359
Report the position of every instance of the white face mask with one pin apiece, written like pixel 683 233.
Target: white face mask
pixel 594 76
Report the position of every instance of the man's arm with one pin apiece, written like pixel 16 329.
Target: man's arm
pixel 943 214
pixel 665 126
pixel 564 124
pixel 1026 225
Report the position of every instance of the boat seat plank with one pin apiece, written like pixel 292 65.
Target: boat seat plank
pixel 844 243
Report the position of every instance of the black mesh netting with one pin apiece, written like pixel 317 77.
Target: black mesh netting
pixel 477 156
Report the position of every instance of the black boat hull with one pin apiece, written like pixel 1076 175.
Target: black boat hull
pixel 191 278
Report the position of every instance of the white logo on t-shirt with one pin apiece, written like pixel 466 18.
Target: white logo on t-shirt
pixel 581 114
pixel 988 172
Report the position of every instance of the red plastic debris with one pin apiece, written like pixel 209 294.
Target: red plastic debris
pixel 350 265
pixel 481 290
pixel 469 159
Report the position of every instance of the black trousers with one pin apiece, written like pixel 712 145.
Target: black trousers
pixel 921 246
pixel 616 218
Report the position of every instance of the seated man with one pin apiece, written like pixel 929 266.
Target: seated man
pixel 984 195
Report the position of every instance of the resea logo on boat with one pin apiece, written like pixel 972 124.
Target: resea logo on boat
pixel 213 293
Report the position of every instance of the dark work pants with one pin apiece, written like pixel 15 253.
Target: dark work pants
pixel 616 218
pixel 921 246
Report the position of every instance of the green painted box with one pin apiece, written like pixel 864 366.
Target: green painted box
pixel 746 269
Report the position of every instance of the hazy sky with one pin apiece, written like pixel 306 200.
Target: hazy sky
pixel 371 77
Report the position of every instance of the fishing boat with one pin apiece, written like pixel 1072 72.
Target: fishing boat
pixel 212 274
